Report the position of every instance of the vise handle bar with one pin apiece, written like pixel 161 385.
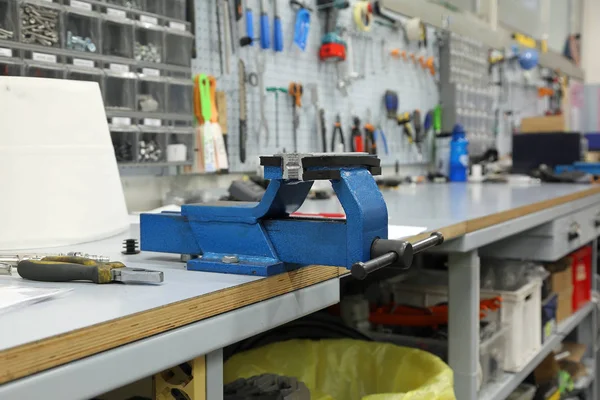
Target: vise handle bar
pixel 400 253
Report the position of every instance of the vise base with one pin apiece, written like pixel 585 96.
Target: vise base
pixel 263 238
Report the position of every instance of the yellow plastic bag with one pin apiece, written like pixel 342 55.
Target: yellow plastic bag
pixel 350 369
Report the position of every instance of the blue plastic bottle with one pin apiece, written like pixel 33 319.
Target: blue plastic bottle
pixel 459 155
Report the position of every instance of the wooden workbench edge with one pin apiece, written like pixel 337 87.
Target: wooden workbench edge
pixel 449 232
pixel 498 218
pixel 31 358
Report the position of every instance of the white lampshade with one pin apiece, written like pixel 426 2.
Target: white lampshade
pixel 59 181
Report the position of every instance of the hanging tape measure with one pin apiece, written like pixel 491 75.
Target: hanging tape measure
pixel 362 16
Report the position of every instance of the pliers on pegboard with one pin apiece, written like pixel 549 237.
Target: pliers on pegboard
pixel 339 132
pixel 356 139
pixel 370 144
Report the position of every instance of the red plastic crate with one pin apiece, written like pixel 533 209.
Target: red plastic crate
pixel 581 266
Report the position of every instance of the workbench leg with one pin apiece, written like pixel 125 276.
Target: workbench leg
pixel 214 375
pixel 595 325
pixel 463 326
pixel 184 381
pixel 587 331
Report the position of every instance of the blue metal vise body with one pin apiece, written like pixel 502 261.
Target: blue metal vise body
pixel 262 238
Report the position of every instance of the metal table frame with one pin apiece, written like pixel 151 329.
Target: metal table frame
pixel 463 284
pixel 142 358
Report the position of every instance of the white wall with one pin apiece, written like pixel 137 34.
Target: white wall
pixel 467 5
pixel 144 193
pixel 147 192
pixel 590 56
pixel 559 24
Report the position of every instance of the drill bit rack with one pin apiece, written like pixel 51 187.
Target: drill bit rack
pixel 122 45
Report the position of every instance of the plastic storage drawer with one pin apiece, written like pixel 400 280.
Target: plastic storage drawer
pixel 11 67
pixel 82 30
pixel 175 9
pixel 32 15
pixel 8 20
pixel 178 47
pixel 117 37
pixel 550 241
pixel 521 311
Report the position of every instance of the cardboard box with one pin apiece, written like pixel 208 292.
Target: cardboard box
pixel 561 278
pixel 562 281
pixel 565 305
pixel 547 370
pixel 592 156
pixel 573 351
pixel 551 123
pixel 571 362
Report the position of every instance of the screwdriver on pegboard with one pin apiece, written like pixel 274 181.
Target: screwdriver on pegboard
pixel 277 30
pixel 265 30
pixel 391 103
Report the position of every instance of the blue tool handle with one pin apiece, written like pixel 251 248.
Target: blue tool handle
pixel 250 25
pixel 277 35
pixel 265 32
pixel 378 133
pixel 301 29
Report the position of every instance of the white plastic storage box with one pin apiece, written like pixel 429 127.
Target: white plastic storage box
pixel 523 392
pixel 521 311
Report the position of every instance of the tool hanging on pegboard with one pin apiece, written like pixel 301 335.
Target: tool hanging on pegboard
pixel 263 125
pixel 243 130
pixel 222 162
pixel 349 49
pixel 302 24
pixel 356 138
pixel 295 91
pixel 277 90
pixel 319 116
pixel 277 29
pixel 338 133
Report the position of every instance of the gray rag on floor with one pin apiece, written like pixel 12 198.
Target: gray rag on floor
pixel 266 387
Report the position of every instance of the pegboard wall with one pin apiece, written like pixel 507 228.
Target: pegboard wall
pixel 416 87
pixel 518 96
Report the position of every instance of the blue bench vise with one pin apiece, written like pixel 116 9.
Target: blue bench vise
pixel 263 239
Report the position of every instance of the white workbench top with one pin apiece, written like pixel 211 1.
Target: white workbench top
pixel 428 205
pixel 115 326
pixel 89 304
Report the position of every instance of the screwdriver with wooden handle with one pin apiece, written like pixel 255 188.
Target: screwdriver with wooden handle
pixel 68 268
pixel 295 90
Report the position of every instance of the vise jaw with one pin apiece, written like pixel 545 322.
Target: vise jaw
pixel 263 238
